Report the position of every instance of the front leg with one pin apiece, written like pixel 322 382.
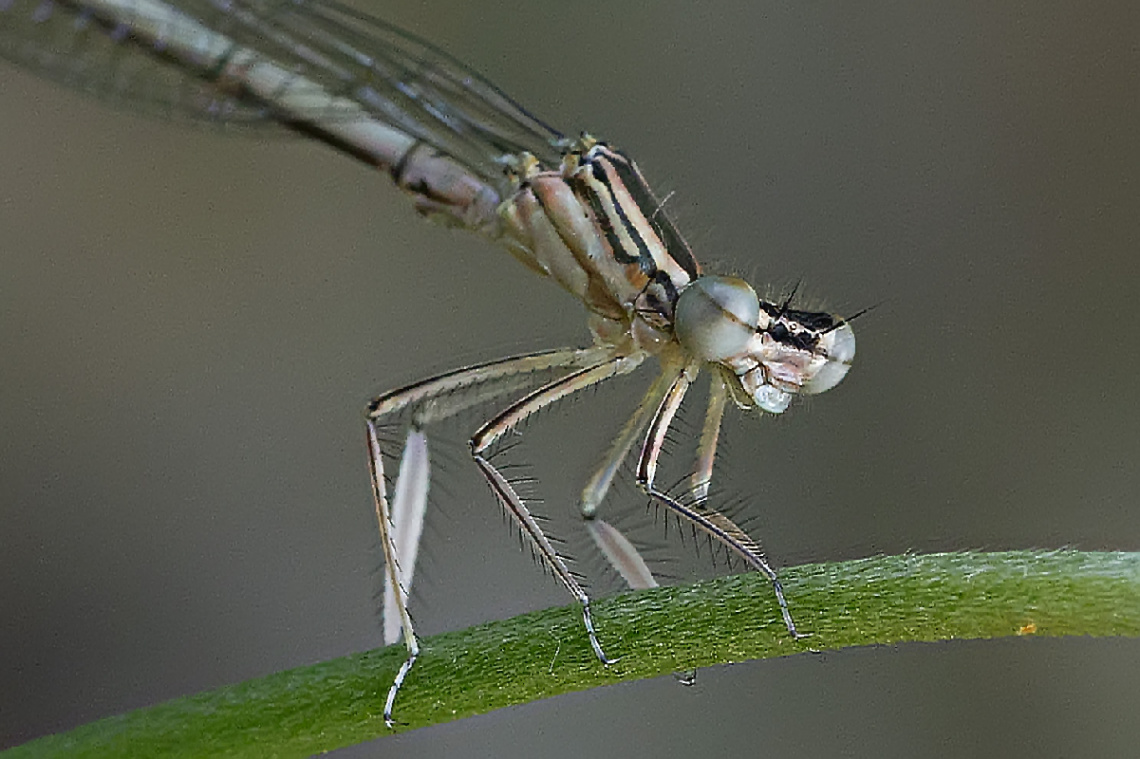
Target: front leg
pixel 700 514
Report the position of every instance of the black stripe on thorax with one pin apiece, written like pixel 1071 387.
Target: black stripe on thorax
pixel 603 220
pixel 638 189
pixel 643 258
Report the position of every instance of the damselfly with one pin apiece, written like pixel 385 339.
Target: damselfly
pixel 575 210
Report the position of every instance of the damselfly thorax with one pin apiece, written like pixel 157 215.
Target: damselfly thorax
pixel 593 225
pixel 577 211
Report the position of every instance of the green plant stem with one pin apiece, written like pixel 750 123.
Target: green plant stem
pixel 888 599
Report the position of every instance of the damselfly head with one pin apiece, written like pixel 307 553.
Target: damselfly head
pixel 773 351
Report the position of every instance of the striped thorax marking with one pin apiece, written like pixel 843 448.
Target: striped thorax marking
pixel 595 226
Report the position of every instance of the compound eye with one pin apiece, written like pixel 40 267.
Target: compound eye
pixel 715 317
pixel 840 347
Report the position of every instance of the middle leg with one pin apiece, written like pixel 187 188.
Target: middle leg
pixel 506 494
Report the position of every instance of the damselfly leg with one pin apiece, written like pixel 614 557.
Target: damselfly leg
pixel 443 397
pixel 696 510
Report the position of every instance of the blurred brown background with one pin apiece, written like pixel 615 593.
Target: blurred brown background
pixel 191 325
